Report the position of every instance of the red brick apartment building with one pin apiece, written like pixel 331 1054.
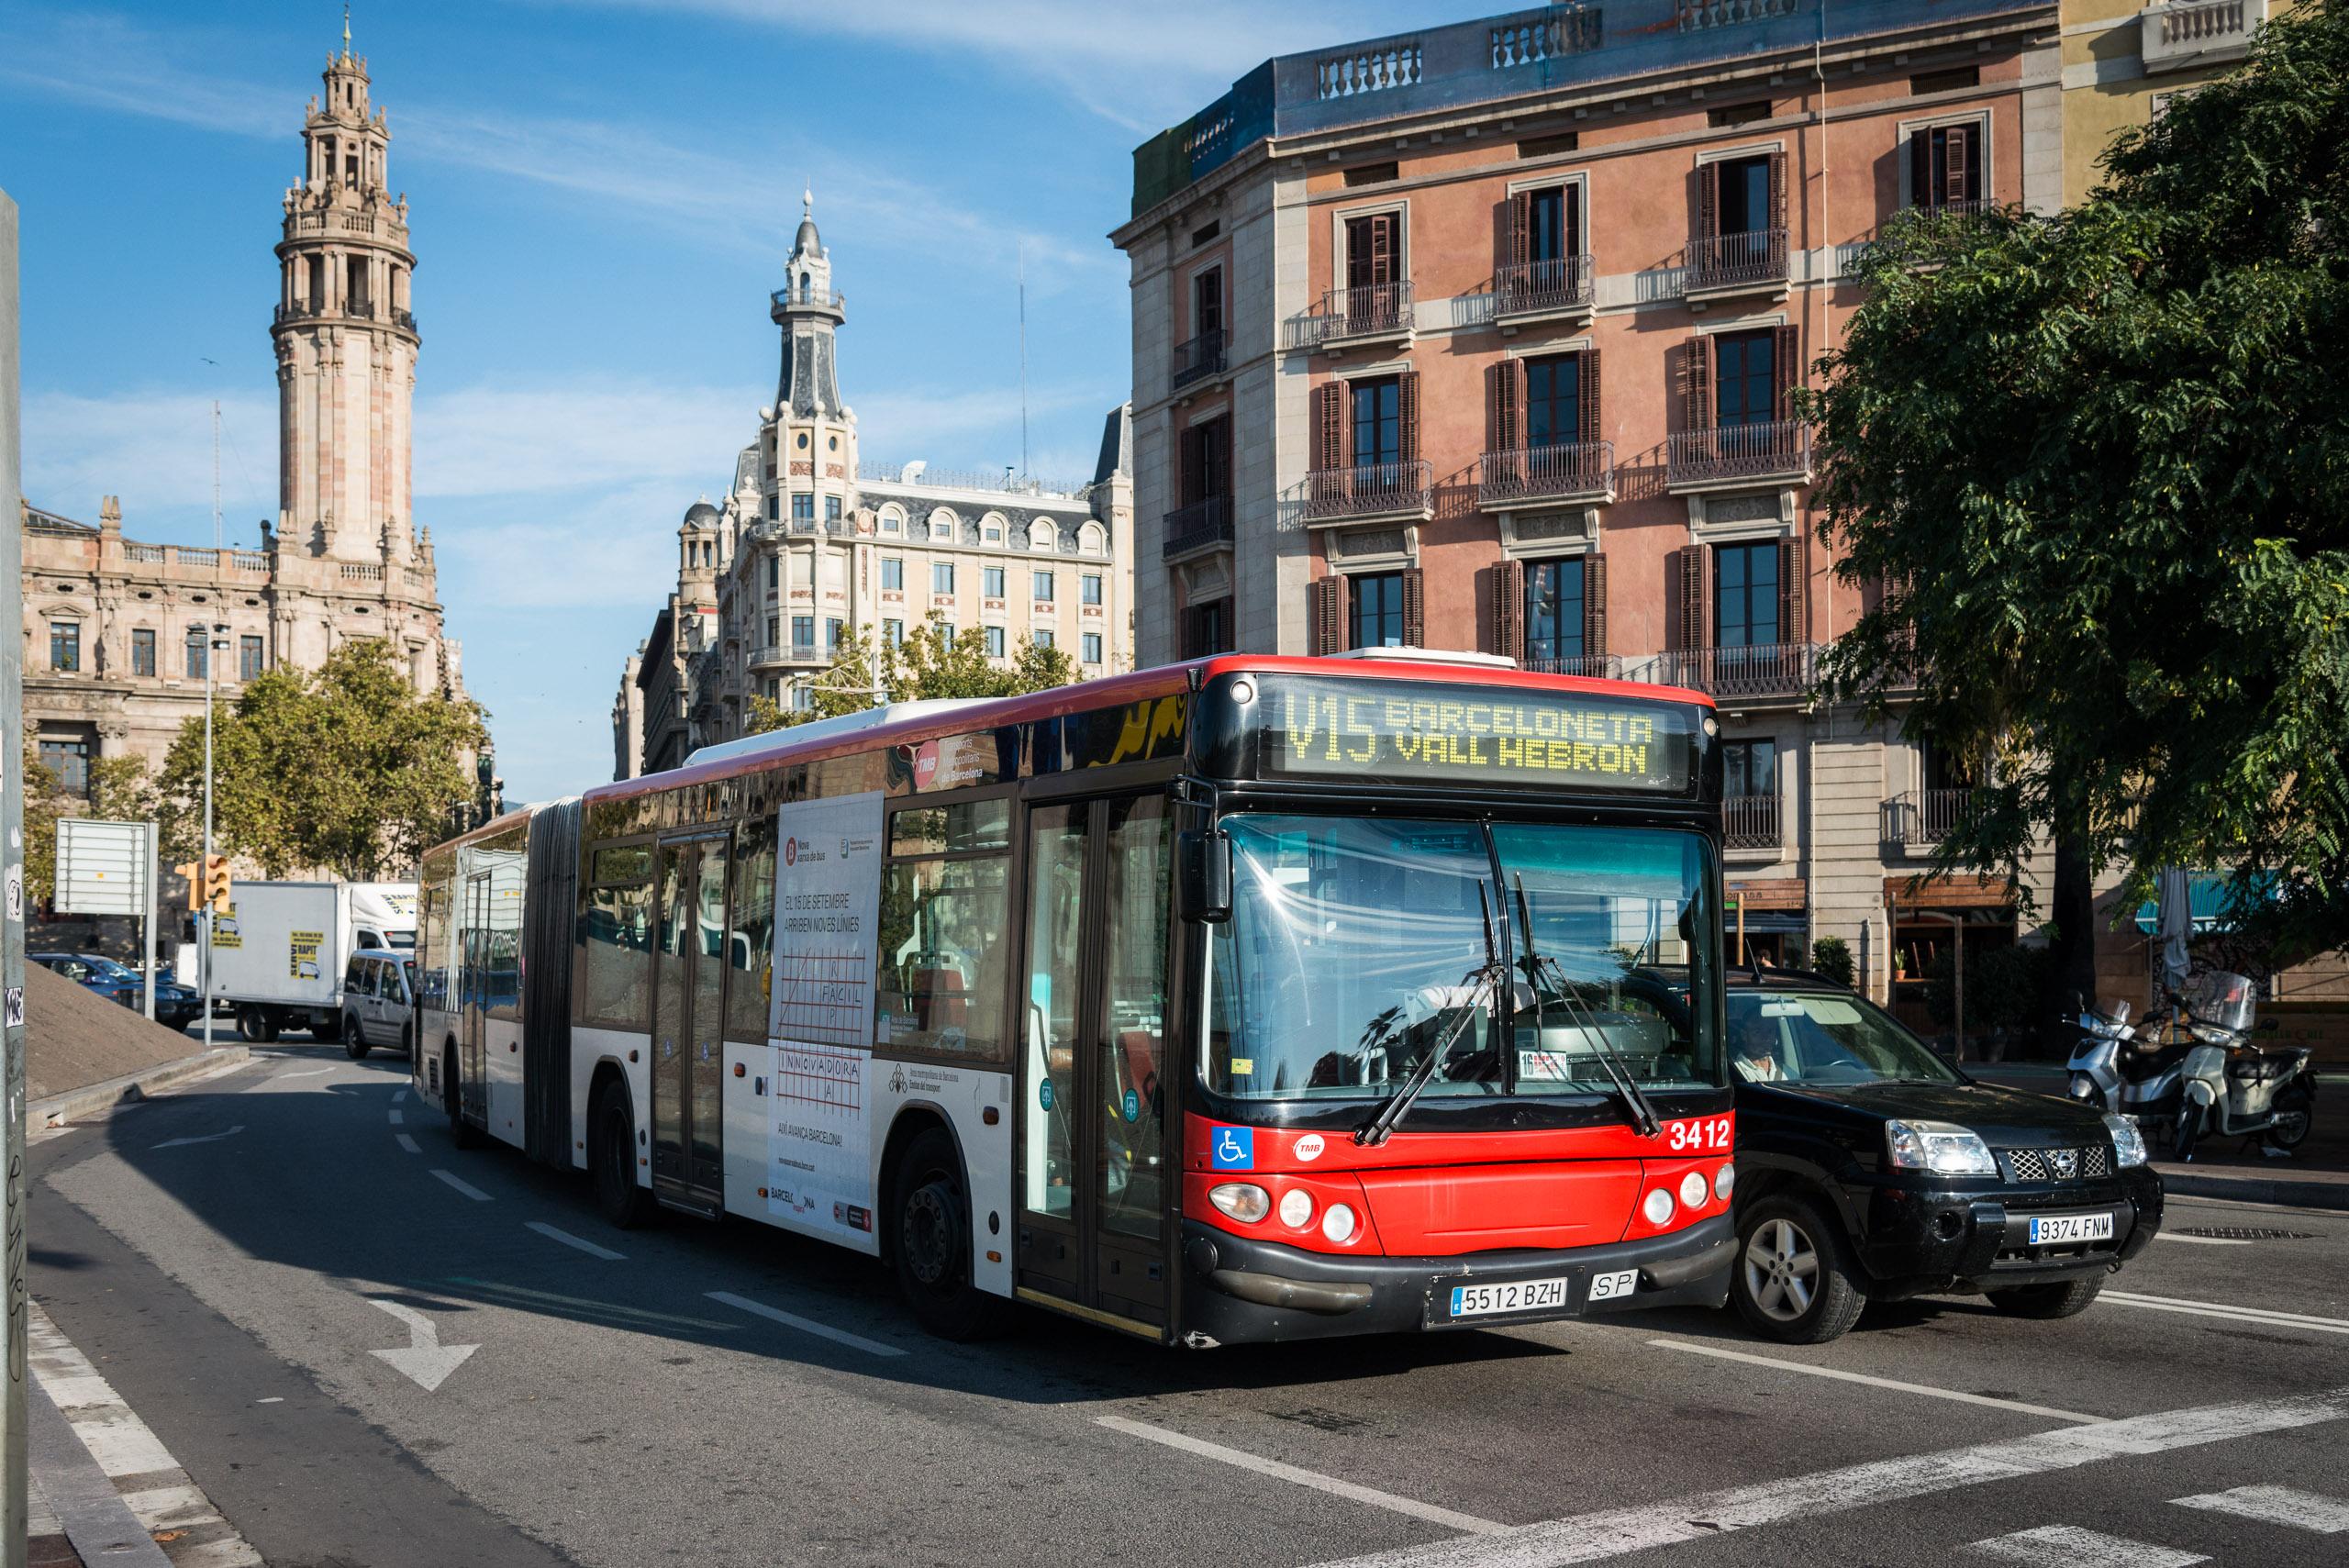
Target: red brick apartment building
pixel 1484 336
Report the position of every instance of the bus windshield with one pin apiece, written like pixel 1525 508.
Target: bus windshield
pixel 1356 942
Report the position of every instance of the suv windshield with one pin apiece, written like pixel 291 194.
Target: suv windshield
pixel 1353 942
pixel 1811 1037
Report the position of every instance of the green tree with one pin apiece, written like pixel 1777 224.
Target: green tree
pixel 1830 958
pixel 345 769
pixel 931 662
pixel 2090 475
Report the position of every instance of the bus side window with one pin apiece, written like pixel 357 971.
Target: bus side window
pixel 946 930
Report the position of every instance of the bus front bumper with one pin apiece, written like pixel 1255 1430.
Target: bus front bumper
pixel 1240 1291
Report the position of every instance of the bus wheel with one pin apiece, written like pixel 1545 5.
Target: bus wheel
pixel 625 1204
pixel 462 1133
pixel 929 1237
pixel 354 1042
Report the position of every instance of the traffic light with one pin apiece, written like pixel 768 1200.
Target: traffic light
pixel 216 883
pixel 187 871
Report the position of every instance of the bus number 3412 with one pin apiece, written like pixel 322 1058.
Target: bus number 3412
pixel 1699 1135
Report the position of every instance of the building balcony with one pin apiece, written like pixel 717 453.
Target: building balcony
pixel 1196 528
pixel 773 654
pixel 1921 819
pixel 1361 318
pixel 1721 265
pixel 785 302
pixel 1524 476
pixel 1759 674
pixel 1529 292
pixel 1377 491
pixel 1734 457
pixel 2188 35
pixel 1750 822
pixel 1199 360
pixel 1586 666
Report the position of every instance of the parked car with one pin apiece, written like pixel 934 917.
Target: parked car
pixel 1869 1169
pixel 378 1002
pixel 176 1005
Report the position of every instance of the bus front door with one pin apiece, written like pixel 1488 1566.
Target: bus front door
pixel 1094 1104
pixel 472 993
pixel 689 1020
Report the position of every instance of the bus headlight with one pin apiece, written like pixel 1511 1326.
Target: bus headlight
pixel 1658 1207
pixel 1692 1190
pixel 1338 1222
pixel 1725 1182
pixel 1297 1208
pixel 1244 1201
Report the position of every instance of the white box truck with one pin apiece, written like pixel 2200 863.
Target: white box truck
pixel 279 953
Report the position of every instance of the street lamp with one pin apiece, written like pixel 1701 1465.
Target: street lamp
pixel 216 644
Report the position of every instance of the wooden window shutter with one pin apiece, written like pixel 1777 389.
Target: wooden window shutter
pixel 1500 397
pixel 1186 465
pixel 1327 615
pixel 1777 190
pixel 1785 363
pixel 1570 201
pixel 1709 201
pixel 1792 557
pixel 1966 163
pixel 1520 227
pixel 1697 377
pixel 1415 609
pixel 1696 630
pixel 1589 399
pixel 1407 411
pixel 1381 249
pixel 1508 609
pixel 1329 425
pixel 1594 605
pixel 1920 169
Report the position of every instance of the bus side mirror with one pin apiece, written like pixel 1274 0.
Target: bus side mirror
pixel 1204 859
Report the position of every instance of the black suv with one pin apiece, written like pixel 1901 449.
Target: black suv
pixel 1869 1169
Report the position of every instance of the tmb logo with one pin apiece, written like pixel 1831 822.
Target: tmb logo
pixel 791 852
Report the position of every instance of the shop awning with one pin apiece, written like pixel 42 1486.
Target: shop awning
pixel 2206 896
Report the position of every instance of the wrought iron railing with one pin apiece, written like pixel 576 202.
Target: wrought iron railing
pixel 1532 473
pixel 1196 527
pixel 1590 666
pixel 1750 821
pixel 1526 287
pixel 1735 261
pixel 1366 490
pixel 1770 449
pixel 1374 309
pixel 1199 358
pixel 823 299
pixel 1758 670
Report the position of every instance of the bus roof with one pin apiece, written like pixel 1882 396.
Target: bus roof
pixel 789 748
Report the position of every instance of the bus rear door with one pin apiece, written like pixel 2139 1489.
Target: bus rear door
pixel 689 1017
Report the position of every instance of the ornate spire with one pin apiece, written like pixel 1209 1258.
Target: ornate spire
pixel 346 30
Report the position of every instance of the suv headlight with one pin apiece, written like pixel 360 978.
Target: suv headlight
pixel 1941 1147
pixel 2127 1143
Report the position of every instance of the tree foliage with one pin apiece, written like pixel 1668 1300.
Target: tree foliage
pixel 2090 475
pixel 345 769
pixel 931 662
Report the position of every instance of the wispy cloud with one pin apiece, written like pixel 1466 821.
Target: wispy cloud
pixel 518 440
pixel 154 450
pixel 588 548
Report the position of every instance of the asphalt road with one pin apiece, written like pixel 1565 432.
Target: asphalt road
pixel 728 1395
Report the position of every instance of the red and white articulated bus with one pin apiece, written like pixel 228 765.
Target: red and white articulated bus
pixel 1253 998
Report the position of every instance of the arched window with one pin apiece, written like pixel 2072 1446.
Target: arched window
pixel 893 519
pixel 1090 539
pixel 941 523
pixel 1043 535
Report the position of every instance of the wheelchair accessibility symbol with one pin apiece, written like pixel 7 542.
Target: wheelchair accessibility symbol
pixel 1234 1149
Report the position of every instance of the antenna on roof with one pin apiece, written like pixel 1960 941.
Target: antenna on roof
pixel 1023 356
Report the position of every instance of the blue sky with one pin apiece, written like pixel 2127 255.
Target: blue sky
pixel 600 192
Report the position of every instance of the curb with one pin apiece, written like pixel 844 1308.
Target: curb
pixel 131 1088
pixel 2332 1195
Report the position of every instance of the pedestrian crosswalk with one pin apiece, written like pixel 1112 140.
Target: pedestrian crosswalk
pixel 2072 1546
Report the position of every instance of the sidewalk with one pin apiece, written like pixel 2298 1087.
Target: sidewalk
pixel 2315 1176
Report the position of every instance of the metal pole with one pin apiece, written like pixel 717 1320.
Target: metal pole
pixel 154 853
pixel 203 865
pixel 13 1481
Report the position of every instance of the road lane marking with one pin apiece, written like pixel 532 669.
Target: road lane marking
pixel 1587 1538
pixel 1290 1473
pixel 396 1118
pixel 582 1307
pixel 2068 1546
pixel 313 1073
pixel 2201 1241
pixel 465 1187
pixel 2275 1505
pixel 568 1239
pixel 2259 1315
pixel 398 1098
pixel 410 1144
pixel 207 1138
pixel 1841 1376
pixel 272 1399
pixel 804 1325
pixel 424 1358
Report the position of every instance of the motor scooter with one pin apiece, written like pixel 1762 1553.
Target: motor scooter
pixel 2132 1071
pixel 2232 1088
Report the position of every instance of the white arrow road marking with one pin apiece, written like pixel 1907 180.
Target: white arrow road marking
pixel 207 1138
pixel 426 1359
pixel 313 1073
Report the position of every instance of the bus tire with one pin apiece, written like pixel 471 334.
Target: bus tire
pixel 462 1133
pixel 354 1039
pixel 626 1204
pixel 930 1241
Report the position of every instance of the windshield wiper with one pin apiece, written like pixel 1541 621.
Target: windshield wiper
pixel 1643 1118
pixel 1489 976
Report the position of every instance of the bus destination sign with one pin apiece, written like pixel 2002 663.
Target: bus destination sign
pixel 1384 729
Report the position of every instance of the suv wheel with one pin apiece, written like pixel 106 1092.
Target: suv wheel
pixel 1794 1280
pixel 354 1042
